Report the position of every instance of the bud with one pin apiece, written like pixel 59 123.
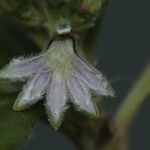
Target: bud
pixel 84 6
pixel 96 7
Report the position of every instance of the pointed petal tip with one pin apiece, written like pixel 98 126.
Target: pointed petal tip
pixel 2 74
pixel 56 102
pixel 92 113
pixel 55 121
pixel 21 104
pixel 81 96
pixel 18 107
pixel 111 92
pixel 94 79
pixel 95 112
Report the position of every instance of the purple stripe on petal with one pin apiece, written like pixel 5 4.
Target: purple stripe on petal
pixel 21 67
pixel 39 84
pixel 102 87
pixel 56 101
pixel 86 74
pixel 81 95
pixel 32 91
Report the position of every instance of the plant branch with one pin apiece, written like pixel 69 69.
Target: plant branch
pixel 133 101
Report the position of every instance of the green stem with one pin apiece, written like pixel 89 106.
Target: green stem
pixel 133 101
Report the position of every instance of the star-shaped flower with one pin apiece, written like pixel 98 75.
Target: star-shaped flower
pixel 60 74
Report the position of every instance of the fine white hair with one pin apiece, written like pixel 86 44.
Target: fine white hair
pixel 63 26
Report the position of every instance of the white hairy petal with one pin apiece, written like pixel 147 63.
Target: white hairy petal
pixel 94 78
pixel 56 100
pixel 32 91
pixel 81 96
pixel 87 76
pixel 21 68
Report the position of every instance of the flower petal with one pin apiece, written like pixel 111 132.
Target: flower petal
pixel 33 91
pixel 21 67
pixel 81 95
pixel 56 100
pixel 87 75
pixel 94 78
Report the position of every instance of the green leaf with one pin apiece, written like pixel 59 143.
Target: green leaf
pixel 15 127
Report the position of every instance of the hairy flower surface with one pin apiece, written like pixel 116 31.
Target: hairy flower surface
pixel 60 74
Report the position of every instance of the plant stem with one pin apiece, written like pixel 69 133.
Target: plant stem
pixel 133 101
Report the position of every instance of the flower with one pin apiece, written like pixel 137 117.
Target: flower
pixel 61 75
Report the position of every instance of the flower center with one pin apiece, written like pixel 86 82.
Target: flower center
pixel 60 57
